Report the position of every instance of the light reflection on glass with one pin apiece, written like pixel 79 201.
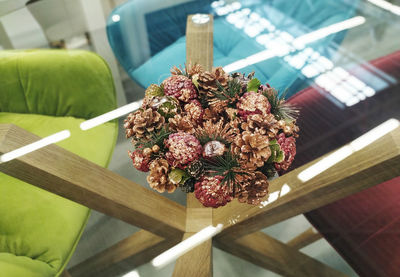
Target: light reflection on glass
pixel 345 151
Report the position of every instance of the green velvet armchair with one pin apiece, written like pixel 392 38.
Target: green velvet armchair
pixel 44 92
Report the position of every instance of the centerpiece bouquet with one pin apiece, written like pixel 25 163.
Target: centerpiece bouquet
pixel 218 135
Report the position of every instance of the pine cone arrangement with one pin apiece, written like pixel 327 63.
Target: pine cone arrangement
pixel 215 134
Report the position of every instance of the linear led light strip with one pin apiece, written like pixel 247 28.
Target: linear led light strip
pixel 345 151
pixel 35 146
pixel 185 246
pixel 386 6
pixel 96 121
pixel 302 40
pixel 86 125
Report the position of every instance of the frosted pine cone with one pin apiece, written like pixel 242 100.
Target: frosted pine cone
pixel 183 149
pixel 253 188
pixel 142 123
pixel 208 80
pixel 158 177
pixel 180 87
pixel 262 124
pixel 253 103
pixel 288 146
pixel 211 193
pixel 139 160
pixel 181 123
pixel 194 111
pixel 252 149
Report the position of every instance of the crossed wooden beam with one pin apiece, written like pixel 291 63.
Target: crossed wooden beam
pixel 165 222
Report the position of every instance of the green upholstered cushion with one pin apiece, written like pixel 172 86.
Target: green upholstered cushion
pixel 40 226
pixel 39 230
pixel 55 82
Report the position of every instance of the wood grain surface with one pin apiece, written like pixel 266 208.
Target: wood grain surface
pixel 199 42
pixel 59 171
pixel 269 253
pixel 302 240
pixel 372 165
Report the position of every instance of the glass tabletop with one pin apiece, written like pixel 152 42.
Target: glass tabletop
pixel 337 61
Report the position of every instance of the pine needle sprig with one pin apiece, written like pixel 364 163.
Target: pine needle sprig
pixel 226 166
pixel 231 92
pixel 156 139
pixel 279 107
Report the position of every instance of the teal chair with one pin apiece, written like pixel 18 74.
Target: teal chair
pixel 44 92
pixel 149 39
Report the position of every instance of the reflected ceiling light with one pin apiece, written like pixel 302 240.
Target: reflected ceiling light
pixel 96 121
pixel 331 29
pixel 115 18
pixel 285 190
pixel 345 151
pixel 386 6
pixel 133 273
pixel 186 245
pixel 286 44
pixel 35 146
pixel 375 134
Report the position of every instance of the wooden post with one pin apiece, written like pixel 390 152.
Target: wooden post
pixel 307 237
pixel 199 49
pixel 197 262
pixel 199 40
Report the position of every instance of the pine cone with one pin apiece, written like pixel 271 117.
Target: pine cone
pixel 181 123
pixel 289 128
pixel 194 111
pixel 217 130
pixel 180 87
pixel 211 193
pixel 183 149
pixel 195 169
pixel 142 123
pixel 188 185
pixel 253 103
pixel 261 124
pixel 154 90
pixel 140 160
pixel 252 188
pixel 288 146
pixel 158 177
pixel 193 69
pixel 208 80
pixel 252 149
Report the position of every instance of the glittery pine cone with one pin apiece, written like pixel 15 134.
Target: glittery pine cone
pixel 180 87
pixel 211 193
pixel 252 149
pixel 140 160
pixel 261 124
pixel 195 169
pixel 252 188
pixel 218 129
pixel 208 80
pixel 289 128
pixel 194 111
pixel 158 177
pixel 183 149
pixel 142 123
pixel 288 146
pixel 253 103
pixel 180 123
